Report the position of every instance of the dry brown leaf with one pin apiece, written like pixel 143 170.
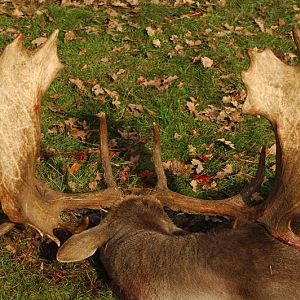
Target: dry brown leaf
pixel 77 129
pixel 177 167
pixel 183 3
pixel 78 134
pixel 133 2
pixel 260 23
pixel 39 41
pixel 192 43
pixel 93 185
pixel 114 96
pixel 98 90
pixel 226 143
pixel 197 164
pixel 226 171
pixel 118 3
pixel 11 248
pixel 72 186
pixel 159 83
pixel 150 31
pixel 104 59
pixel 69 36
pixel 117 74
pixel 207 62
pixel 195 185
pixel 78 83
pixel 156 43
pixel 136 109
pixel 192 150
pixel 17 13
pixel 84 67
pixel 178 50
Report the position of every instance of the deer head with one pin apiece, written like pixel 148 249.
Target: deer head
pixel 25 76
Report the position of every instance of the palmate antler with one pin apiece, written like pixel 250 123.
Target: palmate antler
pixel 273 90
pixel 24 77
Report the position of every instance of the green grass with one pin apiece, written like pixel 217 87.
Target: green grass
pixel 132 49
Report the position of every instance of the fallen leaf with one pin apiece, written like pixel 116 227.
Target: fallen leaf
pixel 192 150
pixel 177 136
pixel 183 3
pixel 11 248
pixel 260 23
pixel 178 50
pixel 195 186
pixel 192 43
pixel 197 164
pixel 201 178
pixel 177 167
pixel 124 174
pixel 150 31
pixel 133 2
pixel 74 168
pixel 156 43
pixel 39 41
pixel 207 62
pixel 226 143
pixel 114 95
pixel 104 59
pixel 56 96
pixel 117 3
pixel 136 109
pixel 72 186
pixel 69 36
pixel 78 134
pixel 17 13
pixel 159 83
pixel 226 171
pixel 93 185
pixel 81 155
pixel 98 90
pixel 117 74
pixel 78 83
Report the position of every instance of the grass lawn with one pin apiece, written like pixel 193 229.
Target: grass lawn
pixel 175 63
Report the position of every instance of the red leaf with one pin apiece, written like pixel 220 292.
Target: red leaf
pixel 201 178
pixel 81 155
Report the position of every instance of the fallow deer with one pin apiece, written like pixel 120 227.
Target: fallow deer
pixel 142 251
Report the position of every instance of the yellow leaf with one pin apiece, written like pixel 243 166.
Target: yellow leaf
pixel 74 168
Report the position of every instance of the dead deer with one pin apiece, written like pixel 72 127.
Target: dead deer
pixel 273 91
pixel 148 257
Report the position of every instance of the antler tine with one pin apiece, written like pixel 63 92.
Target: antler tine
pixel 162 184
pixel 104 150
pixel 234 206
pixel 296 36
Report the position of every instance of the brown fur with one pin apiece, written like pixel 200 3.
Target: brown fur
pixel 148 262
pixel 146 259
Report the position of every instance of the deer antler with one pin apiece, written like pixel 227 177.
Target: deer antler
pixel 274 92
pixel 24 77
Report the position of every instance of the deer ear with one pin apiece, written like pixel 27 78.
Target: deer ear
pixel 83 245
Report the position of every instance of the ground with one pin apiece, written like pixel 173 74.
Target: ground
pixel 175 63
